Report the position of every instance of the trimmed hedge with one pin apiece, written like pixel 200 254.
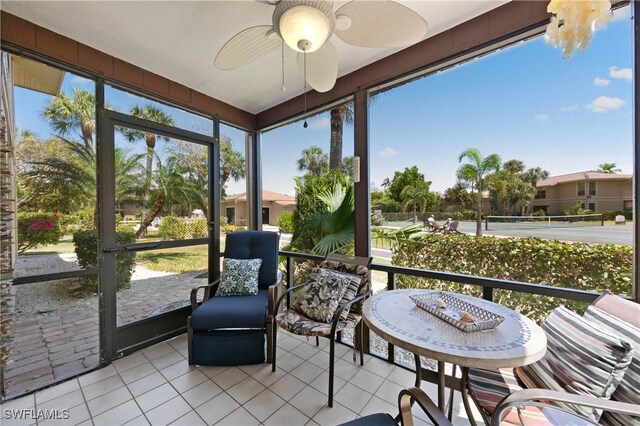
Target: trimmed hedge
pixel 595 267
pixel 86 248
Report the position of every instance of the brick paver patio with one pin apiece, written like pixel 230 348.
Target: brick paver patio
pixel 58 345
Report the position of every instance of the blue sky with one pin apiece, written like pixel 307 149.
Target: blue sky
pixel 524 102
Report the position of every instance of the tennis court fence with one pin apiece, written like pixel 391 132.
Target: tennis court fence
pixel 534 222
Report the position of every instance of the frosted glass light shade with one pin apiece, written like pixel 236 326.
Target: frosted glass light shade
pixel 304 23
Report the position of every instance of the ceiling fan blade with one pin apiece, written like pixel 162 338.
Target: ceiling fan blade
pixel 246 46
pixel 380 23
pixel 322 67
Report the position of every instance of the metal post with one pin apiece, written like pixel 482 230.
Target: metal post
pixel 254 181
pixel 487 293
pixel 636 153
pixel 215 193
pixel 290 284
pixel 362 199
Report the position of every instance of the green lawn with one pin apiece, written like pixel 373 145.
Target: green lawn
pixel 178 260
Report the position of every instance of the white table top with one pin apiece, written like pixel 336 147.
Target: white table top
pixel 517 341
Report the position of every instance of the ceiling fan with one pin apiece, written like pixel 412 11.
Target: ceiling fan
pixel 307 25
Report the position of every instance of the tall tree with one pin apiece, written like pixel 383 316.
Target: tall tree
pixel 170 186
pixel 533 176
pixel 608 168
pixel 232 163
pixel 409 176
pixel 73 115
pixel 475 171
pixel 155 114
pixel 339 115
pixel 416 197
pixel 313 160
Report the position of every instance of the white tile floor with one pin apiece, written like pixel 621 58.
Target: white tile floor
pixel 157 386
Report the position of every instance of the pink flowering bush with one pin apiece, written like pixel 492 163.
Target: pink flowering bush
pixel 35 229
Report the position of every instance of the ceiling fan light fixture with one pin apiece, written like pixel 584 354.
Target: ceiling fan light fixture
pixel 304 25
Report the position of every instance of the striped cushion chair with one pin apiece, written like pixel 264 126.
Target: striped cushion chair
pixel 582 359
pixel 629 388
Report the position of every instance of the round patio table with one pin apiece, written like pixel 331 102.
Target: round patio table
pixel 516 342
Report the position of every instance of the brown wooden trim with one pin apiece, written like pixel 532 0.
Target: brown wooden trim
pixel 31 37
pixel 498 23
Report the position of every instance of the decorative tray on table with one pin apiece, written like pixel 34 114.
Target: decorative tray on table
pixel 460 314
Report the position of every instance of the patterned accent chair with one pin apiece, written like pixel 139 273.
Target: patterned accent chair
pixel 229 330
pixel 512 396
pixel 297 323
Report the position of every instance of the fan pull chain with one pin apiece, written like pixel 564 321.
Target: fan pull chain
pixel 284 89
pixel 305 125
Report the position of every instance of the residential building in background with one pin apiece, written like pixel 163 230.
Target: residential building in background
pixel 596 191
pixel 234 207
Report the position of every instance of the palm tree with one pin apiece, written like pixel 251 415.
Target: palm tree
pixel 151 113
pixel 339 115
pixel 415 196
pixel 608 168
pixel 533 176
pixel 475 172
pixel 73 115
pixel 334 227
pixel 169 186
pixel 313 160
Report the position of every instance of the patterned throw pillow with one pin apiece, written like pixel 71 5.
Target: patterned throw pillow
pixel 239 277
pixel 582 358
pixel 627 390
pixel 321 296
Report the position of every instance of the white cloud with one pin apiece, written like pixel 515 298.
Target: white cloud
pixel 80 80
pixel 388 152
pixel 601 82
pixel 622 73
pixel 542 117
pixel 604 104
pixel 320 124
pixel 570 108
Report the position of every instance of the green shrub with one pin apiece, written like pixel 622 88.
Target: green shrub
pixel 539 212
pixel 174 228
pixel 285 222
pixel 223 220
pixel 36 229
pixel 86 248
pixel 595 267
pixel 574 209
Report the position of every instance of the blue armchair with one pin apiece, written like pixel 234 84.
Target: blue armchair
pixel 230 330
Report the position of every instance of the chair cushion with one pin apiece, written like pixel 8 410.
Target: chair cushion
pixel 378 419
pixel 232 312
pixel 627 390
pixel 489 387
pixel 581 358
pixel 256 245
pixel 297 323
pixel 350 293
pixel 321 296
pixel 359 270
pixel 239 277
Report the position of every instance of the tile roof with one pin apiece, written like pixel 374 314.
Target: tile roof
pixel 578 176
pixel 266 196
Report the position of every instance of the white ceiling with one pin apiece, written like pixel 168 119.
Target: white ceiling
pixel 180 39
